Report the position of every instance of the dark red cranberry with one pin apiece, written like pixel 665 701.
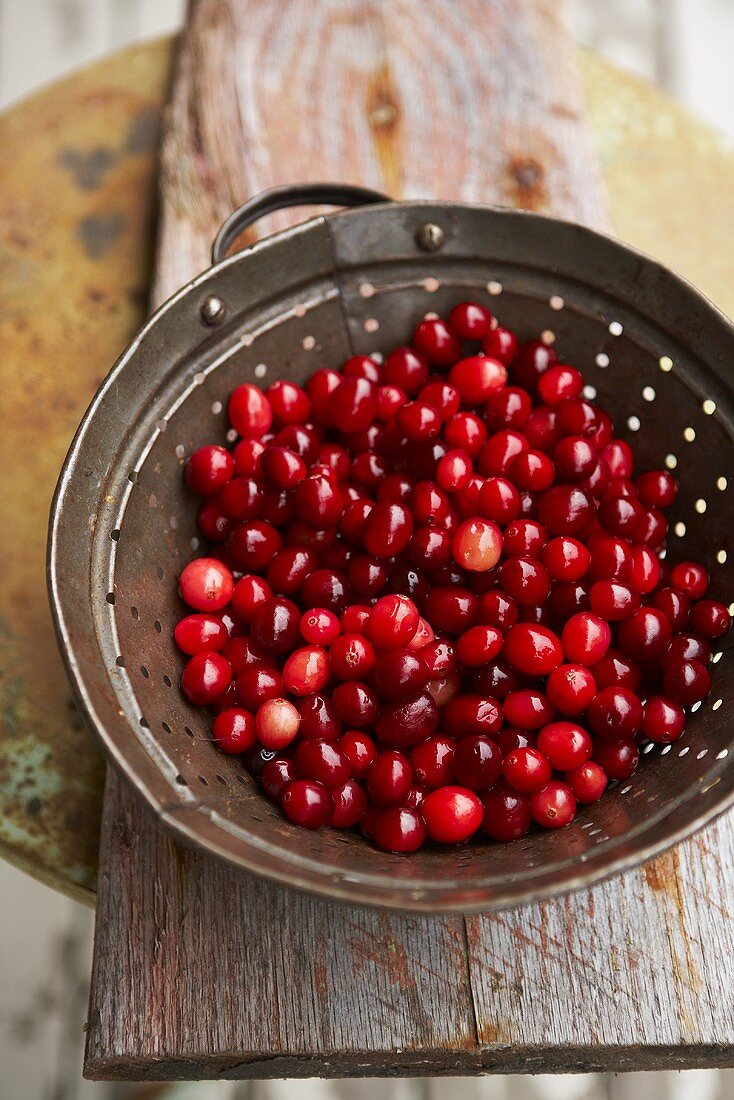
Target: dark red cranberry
pixel 525 580
pixel 360 750
pixel 234 730
pixel 477 762
pixel 322 761
pixel 450 610
pixel 587 782
pixel 470 714
pixel 565 744
pixel 531 361
pixel 209 469
pixel 400 673
pixel 566 559
pixel 407 369
pixel 356 704
pixel 432 761
pixel 528 709
pixel 387 530
pixel 252 545
pixel 435 340
pixel 249 411
pixel 406 722
pixel 709 618
pixel 306 803
pixel 258 683
pixel 318 717
pixel 615 714
pixel 586 638
pixel 477 377
pixel 389 779
pixel 466 431
pixel 683 647
pixel 559 383
pixel 275 775
pixel 443 397
pixel 646 635
pixel 506 813
pixel 565 510
pixel 326 588
pixel 497 680
pixel 398 829
pixel 275 626
pixel 205 678
pixel 497 609
pixel 657 489
pixel 362 366
pixel 664 720
pixel 498 452
pixel 691 578
pixel 618 759
pixel 524 538
pixel 613 601
pixel 501 344
pixel 686 682
pixel 531 649
pixel 350 805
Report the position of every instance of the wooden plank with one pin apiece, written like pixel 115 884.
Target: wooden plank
pixel 200 972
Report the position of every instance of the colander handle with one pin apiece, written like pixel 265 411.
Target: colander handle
pixel 279 198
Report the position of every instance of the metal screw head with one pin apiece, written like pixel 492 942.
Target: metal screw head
pixel 430 237
pixel 213 310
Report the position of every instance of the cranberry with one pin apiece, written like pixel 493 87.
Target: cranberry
pixel 477 377
pixel 559 383
pixel 319 717
pixel 306 670
pixel 442 397
pixel 619 759
pixel 470 714
pixel 532 470
pixel 501 343
pixel 432 761
pixel 205 678
pixel 531 649
pixel 387 530
pixel 506 813
pixel 277 723
pixel 355 703
pixel 691 578
pixel 477 762
pixel 613 601
pixel 351 657
pixel 213 525
pixel 243 653
pixel 477 545
pixel 531 361
pixel 393 622
pixel 355 619
pixel 554 806
pixel 709 618
pixel 497 609
pixel 209 469
pixel 234 730
pixel 406 722
pixel 362 366
pixel 587 782
pixel 664 720
pixel 615 714
pixel 454 471
pixel 525 580
pixel 527 708
pixel 499 500
pixel 657 489
pixel 326 588
pixel 509 407
pixel 252 545
pixel 275 626
pixel 389 779
pixel 247 455
pixel 249 592
pixel 197 633
pixel 399 673
pixel 258 683
pixel 318 501
pixel 360 750
pixel 470 321
pixel 644 569
pixel 686 682
pixel 399 829
pixel 350 805
pixel 466 431
pixel 526 770
pixel 389 400
pixel 570 689
pixel 275 775
pixel 611 559
pixel 566 559
pixel 586 638
pixel 646 635
pixel 541 430
pixel 498 452
pixel 206 584
pixel 565 510
pixel 430 548
pixel 407 369
pixel 306 803
pixel 319 626
pixel 450 610
pixel 509 739
pixel 289 569
pixel 525 538
pixel 479 645
pixel 322 761
pixel 452 814
pixel 249 412
pixel 685 647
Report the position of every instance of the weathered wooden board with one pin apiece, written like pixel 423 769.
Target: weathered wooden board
pixel 200 972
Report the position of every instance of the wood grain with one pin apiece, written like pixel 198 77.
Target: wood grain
pixel 201 972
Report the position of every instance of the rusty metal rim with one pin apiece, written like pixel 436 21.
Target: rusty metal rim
pixel 370 889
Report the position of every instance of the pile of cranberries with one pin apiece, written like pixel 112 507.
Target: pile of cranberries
pixel 436 601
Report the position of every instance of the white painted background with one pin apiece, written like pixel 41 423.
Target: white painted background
pixel 45 940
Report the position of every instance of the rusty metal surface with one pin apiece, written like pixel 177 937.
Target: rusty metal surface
pixel 76 205
pixel 75 231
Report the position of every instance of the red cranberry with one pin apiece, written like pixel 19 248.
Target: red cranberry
pixel 532 360
pixel 477 762
pixel 389 779
pixel 451 814
pixel 197 633
pixel 691 578
pixel 501 344
pixel 554 806
pixel 442 397
pixel 249 412
pixel 319 717
pixel 276 723
pixel 509 407
pixel 466 431
pixel 393 622
pixel 470 321
pixel 243 653
pixel 506 813
pixel 322 761
pixel 355 619
pixel 498 452
pixel 525 580
pixel 646 635
pixel 289 403
pixel 205 678
pixel 615 714
pixel 399 829
pixel 319 501
pixel 477 377
pixel 526 770
pixel 247 455
pixel 289 569
pixel 434 339
pixel 319 626
pixel 559 383
pixel 306 803
pixel 686 682
pixel 685 647
pixel 432 761
pixel 399 673
pixel 709 618
pixel 570 688
pixel 532 470
pixel 477 545
pixel 350 805
pixel 525 538
pixel 450 610
pixel 613 601
pixel 644 569
pixel 497 609
pixel 541 430
pixel 326 588
pixel 275 775
pixel 499 500
pixel 430 548
pixel 566 559
pixel 619 759
pixel 479 645
pixel 234 730
pixel 509 739
pixel 470 714
pixel 258 683
pixel 306 670
pixel 206 584
pixel 406 722
pixel 355 703
pixel 249 592
pixel 587 782
pixel 252 545
pixel 275 626
pixel 611 559
pixel 664 720
pixel 657 489
pixel 565 510
pixel 387 530
pixel 360 750
pixel 531 649
pixel 407 369
pixel 454 471
pixel 527 708
pixel 586 638
pixel 209 469
pixel 616 670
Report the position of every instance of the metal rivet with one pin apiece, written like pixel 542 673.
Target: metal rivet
pixel 212 310
pixel 430 237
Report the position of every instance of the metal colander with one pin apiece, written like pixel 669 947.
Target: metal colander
pixel 655 352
